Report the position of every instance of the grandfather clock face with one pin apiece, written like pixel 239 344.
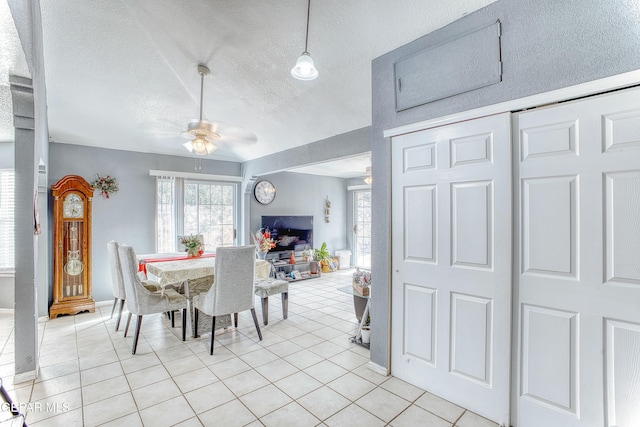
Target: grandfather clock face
pixel 73 206
pixel 73 241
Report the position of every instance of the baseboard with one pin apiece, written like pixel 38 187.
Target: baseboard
pixel 378 369
pixel 26 376
pixel 107 303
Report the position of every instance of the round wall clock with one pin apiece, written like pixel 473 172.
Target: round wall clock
pixel 265 192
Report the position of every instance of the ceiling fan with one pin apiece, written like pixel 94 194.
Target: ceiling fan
pixel 202 134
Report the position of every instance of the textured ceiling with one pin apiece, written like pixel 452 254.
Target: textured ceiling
pixel 122 73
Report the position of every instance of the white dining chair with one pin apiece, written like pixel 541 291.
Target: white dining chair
pixel 232 289
pixel 141 301
pixel 117 282
pixel 266 285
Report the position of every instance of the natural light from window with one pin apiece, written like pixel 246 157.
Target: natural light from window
pixel 187 207
pixel 7 239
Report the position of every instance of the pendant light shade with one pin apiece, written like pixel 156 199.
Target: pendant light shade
pixel 200 145
pixel 305 69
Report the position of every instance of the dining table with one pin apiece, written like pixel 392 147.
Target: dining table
pixel 189 275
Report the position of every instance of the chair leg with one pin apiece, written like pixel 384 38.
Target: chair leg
pixel 235 320
pixel 113 309
pixel 265 310
pixel 285 304
pixel 119 314
pixel 195 322
pixel 126 329
pixel 255 321
pixel 135 338
pixel 184 324
pixel 213 330
pixel 173 318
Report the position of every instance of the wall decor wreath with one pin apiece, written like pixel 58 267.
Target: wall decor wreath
pixel 106 184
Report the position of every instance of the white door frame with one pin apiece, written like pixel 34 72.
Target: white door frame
pixel 584 89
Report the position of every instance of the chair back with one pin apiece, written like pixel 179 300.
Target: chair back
pixel 134 288
pixel 234 280
pixel 117 283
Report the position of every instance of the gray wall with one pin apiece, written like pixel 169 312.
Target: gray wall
pixel 546 45
pixel 128 216
pixel 340 146
pixel 303 194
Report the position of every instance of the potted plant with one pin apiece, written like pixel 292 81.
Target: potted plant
pixel 323 257
pixel 366 331
pixel 193 245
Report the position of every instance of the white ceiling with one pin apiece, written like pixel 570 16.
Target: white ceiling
pixel 122 73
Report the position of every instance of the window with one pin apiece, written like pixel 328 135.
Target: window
pixel 166 218
pixel 362 229
pixel 195 207
pixel 7 239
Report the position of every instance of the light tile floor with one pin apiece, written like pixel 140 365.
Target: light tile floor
pixel 305 372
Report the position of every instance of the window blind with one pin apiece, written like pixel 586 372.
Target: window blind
pixel 7 215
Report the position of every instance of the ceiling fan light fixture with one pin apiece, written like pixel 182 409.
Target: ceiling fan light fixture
pixel 305 68
pixel 200 145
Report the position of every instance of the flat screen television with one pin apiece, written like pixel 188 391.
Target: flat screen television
pixel 290 233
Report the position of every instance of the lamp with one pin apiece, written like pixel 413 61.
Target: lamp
pixel 368 179
pixel 305 69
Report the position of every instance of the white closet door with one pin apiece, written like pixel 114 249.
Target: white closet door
pixel 578 269
pixel 451 260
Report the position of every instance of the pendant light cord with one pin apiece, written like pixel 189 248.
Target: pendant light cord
pixel 306 40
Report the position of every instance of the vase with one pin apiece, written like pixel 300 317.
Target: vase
pixel 262 255
pixel 366 335
pixel 193 252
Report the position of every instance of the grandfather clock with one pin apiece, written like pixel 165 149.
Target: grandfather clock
pixel 72 197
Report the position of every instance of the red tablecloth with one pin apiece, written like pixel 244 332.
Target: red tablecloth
pixel 142 263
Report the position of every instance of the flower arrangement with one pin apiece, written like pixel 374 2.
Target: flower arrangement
pixel 263 241
pixel 106 185
pixel 193 245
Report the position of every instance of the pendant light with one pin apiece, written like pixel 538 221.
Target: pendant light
pixel 304 69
